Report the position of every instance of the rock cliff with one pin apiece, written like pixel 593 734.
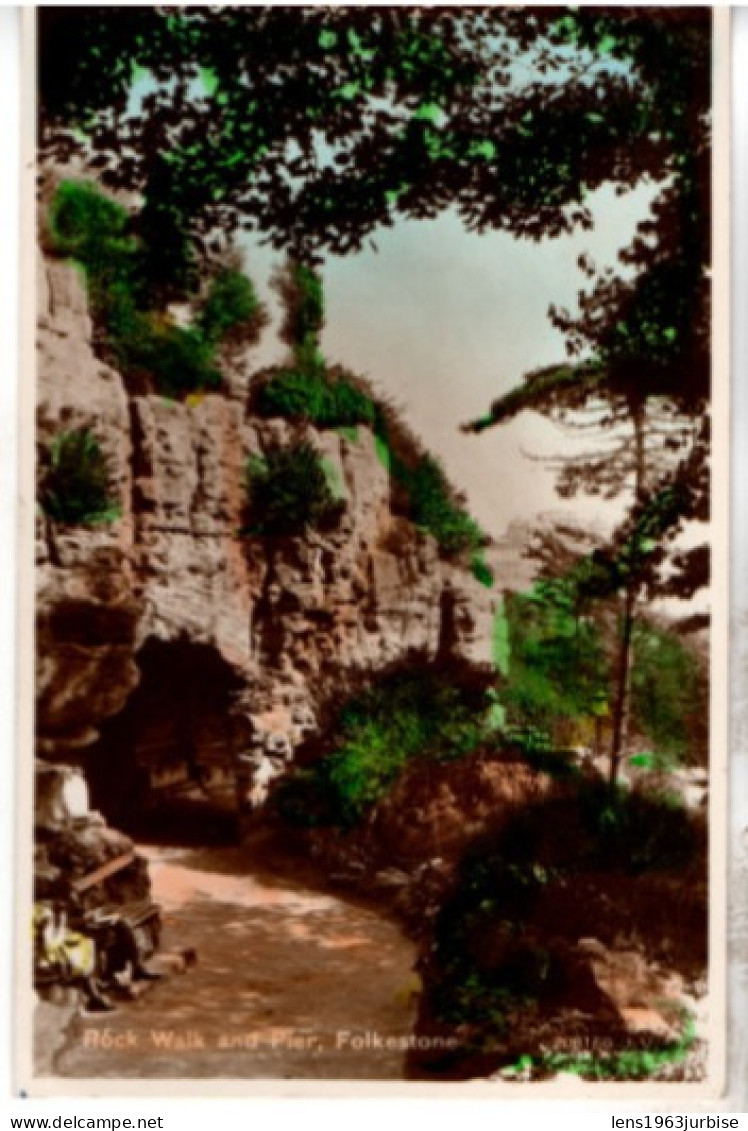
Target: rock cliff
pixel 168 627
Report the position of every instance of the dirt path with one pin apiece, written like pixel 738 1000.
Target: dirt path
pixel 290 983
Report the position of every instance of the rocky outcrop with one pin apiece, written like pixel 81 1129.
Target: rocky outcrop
pixel 285 620
pixel 87 610
pixel 78 859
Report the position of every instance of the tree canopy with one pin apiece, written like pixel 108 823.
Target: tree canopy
pixel 317 125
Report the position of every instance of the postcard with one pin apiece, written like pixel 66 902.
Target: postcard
pixel 376 730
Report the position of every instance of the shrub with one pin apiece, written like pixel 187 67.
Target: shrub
pixel 367 764
pixel 479 946
pixel 558 672
pixel 325 400
pixel 538 750
pixel 301 290
pixel 178 358
pixel 231 309
pixel 289 493
pixel 636 832
pixel 76 488
pixel 144 342
pixel 568 866
pixel 433 507
pixel 89 227
pixel 669 695
pixel 424 713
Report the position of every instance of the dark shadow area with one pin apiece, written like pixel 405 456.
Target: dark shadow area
pixel 559 929
pixel 276 855
pixel 163 769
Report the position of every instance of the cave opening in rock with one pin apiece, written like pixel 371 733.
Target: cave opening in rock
pixel 165 766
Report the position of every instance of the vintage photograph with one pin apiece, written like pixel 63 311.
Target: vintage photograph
pixel 374 634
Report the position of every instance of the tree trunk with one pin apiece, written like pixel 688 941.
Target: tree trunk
pixel 621 700
pixel 620 703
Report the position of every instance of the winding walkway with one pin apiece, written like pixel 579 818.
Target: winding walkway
pixel 290 983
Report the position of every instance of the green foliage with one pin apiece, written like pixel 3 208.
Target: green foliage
pixel 511 884
pixel 543 389
pixel 500 641
pixel 231 308
pixel 308 316
pixel 653 761
pixel 561 677
pixel 289 493
pixel 558 670
pixel 325 400
pixel 360 773
pixel 90 227
pixel 308 390
pixel 388 113
pixel 382 449
pixel 335 401
pixel 538 750
pixel 418 714
pixel 628 1064
pixel 477 995
pixel 433 508
pixel 635 832
pixel 334 479
pixel 76 486
pixel 480 568
pixel 669 698
pixel 479 949
pixel 144 342
pixel 178 359
pixel 497 711
pixel 389 726
pixel 639 546
pixel 301 290
pixel 647 760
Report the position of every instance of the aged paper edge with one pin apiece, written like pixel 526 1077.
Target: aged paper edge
pixel 663 1096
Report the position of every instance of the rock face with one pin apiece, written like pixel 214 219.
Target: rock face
pixel 167 626
pixel 72 843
